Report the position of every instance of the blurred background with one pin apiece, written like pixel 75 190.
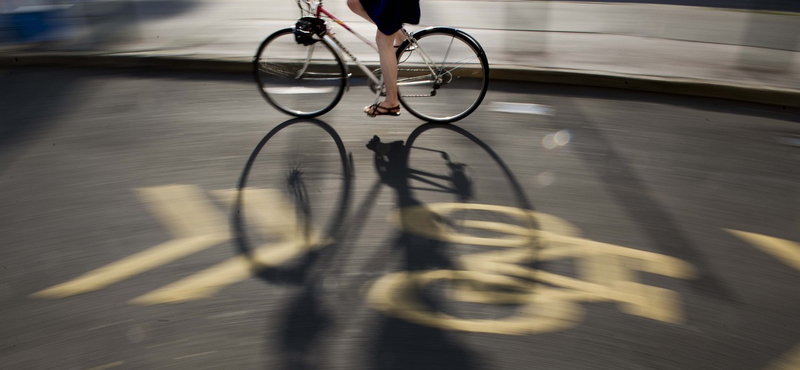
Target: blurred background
pixel 626 196
pixel 745 41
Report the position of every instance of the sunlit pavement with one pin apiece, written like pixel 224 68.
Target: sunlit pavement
pixel 556 227
pixel 743 54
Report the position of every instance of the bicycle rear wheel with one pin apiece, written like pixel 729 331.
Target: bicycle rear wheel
pixel 445 77
pixel 299 80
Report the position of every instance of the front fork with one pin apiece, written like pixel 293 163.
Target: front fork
pixel 309 56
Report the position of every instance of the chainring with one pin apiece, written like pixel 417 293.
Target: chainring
pixel 373 86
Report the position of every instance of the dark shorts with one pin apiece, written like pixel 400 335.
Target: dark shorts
pixel 390 15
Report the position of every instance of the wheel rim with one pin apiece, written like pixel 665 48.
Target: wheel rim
pixel 279 63
pixel 458 86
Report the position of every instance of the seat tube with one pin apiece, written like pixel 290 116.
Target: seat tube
pixel 425 58
pixel 428 61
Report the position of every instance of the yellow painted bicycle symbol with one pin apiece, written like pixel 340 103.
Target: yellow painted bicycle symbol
pixel 547 301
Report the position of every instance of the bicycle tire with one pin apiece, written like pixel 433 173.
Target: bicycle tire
pixel 461 76
pixel 293 86
pixel 267 172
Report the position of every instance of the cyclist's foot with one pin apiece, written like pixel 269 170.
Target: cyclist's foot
pixel 374 142
pixel 375 110
pixel 385 149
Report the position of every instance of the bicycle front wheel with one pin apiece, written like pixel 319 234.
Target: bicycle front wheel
pixel 299 80
pixel 444 77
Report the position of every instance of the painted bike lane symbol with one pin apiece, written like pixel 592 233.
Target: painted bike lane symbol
pixel 547 301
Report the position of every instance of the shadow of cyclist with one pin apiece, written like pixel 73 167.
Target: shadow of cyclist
pixel 403 344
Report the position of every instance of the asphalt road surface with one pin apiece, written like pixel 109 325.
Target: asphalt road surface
pixel 555 228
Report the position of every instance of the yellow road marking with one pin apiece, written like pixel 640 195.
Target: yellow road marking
pixel 786 251
pixel 604 269
pixel 185 211
pixel 397 295
pixel 427 220
pixel 608 270
pixel 198 225
pixel 267 211
pixel 790 361
pixel 108 366
pixel 208 282
pixel 129 266
pixel 606 273
pixel 653 263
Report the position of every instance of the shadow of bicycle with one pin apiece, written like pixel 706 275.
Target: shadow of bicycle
pixel 292 222
pixel 299 163
pixel 291 204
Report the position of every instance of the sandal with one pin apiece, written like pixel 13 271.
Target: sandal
pixel 375 110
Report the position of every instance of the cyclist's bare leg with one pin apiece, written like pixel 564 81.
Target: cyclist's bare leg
pixel 356 7
pixel 388 66
pixel 386 50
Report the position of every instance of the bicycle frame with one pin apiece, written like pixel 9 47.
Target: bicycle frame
pixel 316 9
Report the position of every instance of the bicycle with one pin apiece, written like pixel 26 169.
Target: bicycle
pixel 443 72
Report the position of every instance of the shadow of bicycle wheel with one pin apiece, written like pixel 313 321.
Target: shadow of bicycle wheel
pixel 292 200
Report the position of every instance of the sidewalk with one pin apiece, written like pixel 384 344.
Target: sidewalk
pixel 687 50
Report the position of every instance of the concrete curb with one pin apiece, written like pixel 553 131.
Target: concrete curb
pixel 234 64
pixel 657 84
pixel 672 85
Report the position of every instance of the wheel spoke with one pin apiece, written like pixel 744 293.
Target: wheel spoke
pixel 461 62
pixel 444 60
pixel 300 80
pixel 446 77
